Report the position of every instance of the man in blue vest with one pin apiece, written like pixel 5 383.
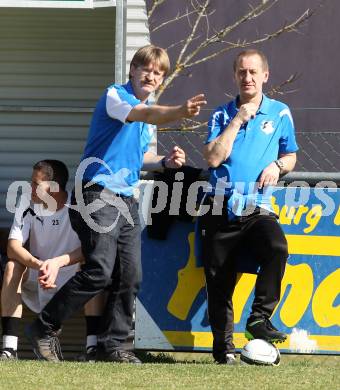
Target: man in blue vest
pixel 104 212
pixel 251 142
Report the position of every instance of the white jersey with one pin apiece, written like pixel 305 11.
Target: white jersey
pixel 48 236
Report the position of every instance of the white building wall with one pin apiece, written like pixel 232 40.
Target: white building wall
pixel 54 65
pixel 137 34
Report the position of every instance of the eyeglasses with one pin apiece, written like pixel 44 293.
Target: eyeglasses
pixel 157 74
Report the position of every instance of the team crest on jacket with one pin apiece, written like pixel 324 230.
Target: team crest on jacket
pixel 267 127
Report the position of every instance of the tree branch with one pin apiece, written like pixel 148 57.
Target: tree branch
pixel 254 13
pixel 179 67
pixel 155 4
pixel 201 12
pixel 278 89
pixel 184 127
pixel 187 59
pixel 191 125
pixel 178 43
pixel 292 27
pixel 175 19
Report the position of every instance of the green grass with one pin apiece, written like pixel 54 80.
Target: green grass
pixel 173 371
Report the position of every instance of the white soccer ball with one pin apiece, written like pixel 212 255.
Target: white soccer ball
pixel 260 352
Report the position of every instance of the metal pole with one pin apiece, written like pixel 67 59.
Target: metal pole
pixel 120 42
pixel 320 179
pixel 312 178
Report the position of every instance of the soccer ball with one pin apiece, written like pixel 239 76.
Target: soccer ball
pixel 260 352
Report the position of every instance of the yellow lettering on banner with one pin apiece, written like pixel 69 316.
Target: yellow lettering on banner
pixel 313 245
pixel 190 281
pixel 288 215
pixel 205 340
pixel 300 279
pixel 276 207
pixel 312 218
pixel 300 211
pixel 244 287
pixel 325 314
pixel 337 218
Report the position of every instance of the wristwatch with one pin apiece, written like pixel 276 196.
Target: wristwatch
pixel 163 162
pixel 279 164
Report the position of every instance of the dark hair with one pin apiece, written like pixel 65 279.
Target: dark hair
pixel 54 170
pixel 251 52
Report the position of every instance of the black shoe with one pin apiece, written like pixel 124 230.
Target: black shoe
pixel 8 354
pixel 225 358
pixel 262 328
pixel 118 356
pixel 45 346
pixel 89 355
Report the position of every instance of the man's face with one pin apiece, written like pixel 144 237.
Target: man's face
pixel 250 76
pixel 39 180
pixel 145 80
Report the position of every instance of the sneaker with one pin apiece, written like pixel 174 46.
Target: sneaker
pixel 8 354
pixel 45 346
pixel 89 355
pixel 118 356
pixel 262 328
pixel 226 358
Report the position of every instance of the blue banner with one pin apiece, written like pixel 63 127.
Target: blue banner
pixel 172 308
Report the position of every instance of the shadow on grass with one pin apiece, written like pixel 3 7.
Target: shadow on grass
pixel 161 358
pixel 167 358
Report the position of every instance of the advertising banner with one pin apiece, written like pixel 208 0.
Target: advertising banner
pixel 172 309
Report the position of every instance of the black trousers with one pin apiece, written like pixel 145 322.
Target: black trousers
pixel 112 261
pixel 221 241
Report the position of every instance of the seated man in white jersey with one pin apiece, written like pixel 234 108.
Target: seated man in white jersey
pixel 34 275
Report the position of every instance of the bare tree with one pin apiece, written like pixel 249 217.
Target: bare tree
pixel 204 43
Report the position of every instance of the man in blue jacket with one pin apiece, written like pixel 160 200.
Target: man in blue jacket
pixel 104 212
pixel 251 142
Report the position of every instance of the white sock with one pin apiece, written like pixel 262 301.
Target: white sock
pixel 91 340
pixel 10 342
